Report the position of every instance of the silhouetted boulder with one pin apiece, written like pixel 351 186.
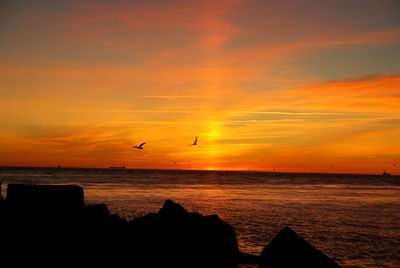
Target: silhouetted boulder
pixel 53 199
pixel 99 229
pixel 208 236
pixel 179 238
pixel 53 219
pixel 42 218
pixel 173 210
pixel 288 249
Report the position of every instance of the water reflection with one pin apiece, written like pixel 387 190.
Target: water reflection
pixel 342 221
pixel 354 219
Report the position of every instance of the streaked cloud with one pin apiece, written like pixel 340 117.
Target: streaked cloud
pixel 168 97
pixel 290 85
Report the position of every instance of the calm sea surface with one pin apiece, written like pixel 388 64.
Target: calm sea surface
pixel 354 219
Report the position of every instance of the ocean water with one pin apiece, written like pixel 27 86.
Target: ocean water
pixel 354 219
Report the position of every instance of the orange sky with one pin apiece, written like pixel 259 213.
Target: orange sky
pixel 302 86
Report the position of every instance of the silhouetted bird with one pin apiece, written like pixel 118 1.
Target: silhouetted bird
pixel 140 146
pixel 195 142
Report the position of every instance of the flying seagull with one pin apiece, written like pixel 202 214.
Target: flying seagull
pixel 140 146
pixel 195 142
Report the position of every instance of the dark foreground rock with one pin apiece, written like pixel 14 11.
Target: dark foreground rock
pixel 43 196
pixel 178 236
pixel 50 225
pixel 288 249
pixel 46 201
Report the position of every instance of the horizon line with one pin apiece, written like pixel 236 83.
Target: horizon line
pixel 207 170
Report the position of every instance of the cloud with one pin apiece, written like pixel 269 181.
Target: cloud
pixel 373 94
pixel 235 73
pixel 168 97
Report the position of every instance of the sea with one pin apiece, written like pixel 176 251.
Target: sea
pixel 354 219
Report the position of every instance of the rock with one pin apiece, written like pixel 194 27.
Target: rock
pixel 53 219
pixel 45 217
pixel 173 210
pixel 96 214
pixel 54 199
pixel 288 249
pixel 223 237
pixel 204 236
pixel 178 238
pixel 99 229
pixel 42 218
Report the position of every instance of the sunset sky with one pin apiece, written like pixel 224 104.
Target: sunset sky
pixel 296 86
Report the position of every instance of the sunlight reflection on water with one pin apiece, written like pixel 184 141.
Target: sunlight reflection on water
pixel 354 219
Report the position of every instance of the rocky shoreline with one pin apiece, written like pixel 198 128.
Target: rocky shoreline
pixel 51 225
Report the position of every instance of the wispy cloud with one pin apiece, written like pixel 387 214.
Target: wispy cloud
pixel 263 84
pixel 168 97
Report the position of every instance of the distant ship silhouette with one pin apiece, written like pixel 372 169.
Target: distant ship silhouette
pixel 118 167
pixel 385 174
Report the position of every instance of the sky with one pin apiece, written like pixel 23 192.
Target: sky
pixel 291 86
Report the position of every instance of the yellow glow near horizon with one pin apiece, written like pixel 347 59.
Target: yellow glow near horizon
pixel 214 130
pixel 262 87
